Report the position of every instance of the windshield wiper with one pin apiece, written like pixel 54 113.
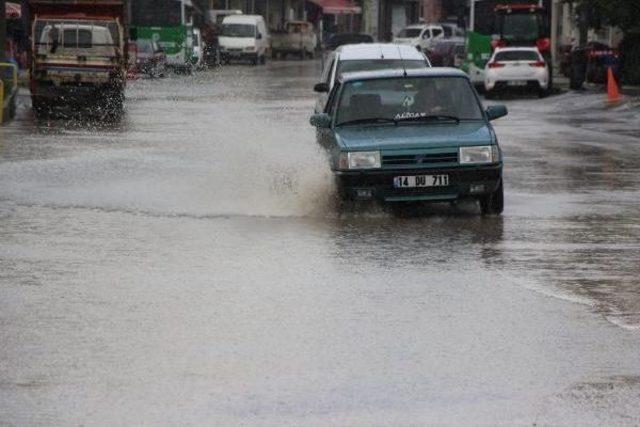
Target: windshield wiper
pixel 434 117
pixel 368 120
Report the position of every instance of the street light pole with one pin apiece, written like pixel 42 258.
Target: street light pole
pixel 3 29
pixel 182 13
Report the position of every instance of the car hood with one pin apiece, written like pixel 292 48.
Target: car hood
pixel 413 136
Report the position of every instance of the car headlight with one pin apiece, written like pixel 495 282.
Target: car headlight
pixel 360 160
pixel 479 154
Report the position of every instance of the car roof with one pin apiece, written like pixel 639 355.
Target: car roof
pixel 242 18
pixel 396 73
pixel 504 49
pixel 350 52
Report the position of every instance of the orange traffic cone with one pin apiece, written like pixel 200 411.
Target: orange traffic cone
pixel 613 95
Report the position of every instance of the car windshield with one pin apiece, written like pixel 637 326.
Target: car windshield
pixel 409 33
pixel 238 30
pixel 377 64
pixel 407 98
pixel 521 27
pixel 517 55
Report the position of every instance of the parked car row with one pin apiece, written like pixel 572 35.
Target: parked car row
pixel 398 130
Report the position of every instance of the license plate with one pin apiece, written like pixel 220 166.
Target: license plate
pixel 417 181
pixel 516 83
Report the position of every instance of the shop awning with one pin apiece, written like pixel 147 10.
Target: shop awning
pixel 12 10
pixel 338 7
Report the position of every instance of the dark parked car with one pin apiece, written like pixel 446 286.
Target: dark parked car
pixel 444 52
pixel 151 58
pixel 591 63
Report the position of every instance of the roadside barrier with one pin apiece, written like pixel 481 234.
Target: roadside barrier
pixel 8 92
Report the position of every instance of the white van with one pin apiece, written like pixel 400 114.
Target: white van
pixel 244 37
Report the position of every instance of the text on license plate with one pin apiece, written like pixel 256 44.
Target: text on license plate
pixel 516 83
pixel 421 181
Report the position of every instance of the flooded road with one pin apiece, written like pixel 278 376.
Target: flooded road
pixel 189 266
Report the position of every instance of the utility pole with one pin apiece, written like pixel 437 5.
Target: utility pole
pixel 3 29
pixel 183 13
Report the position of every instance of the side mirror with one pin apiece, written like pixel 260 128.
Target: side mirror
pixel 321 87
pixel 322 120
pixel 259 36
pixel 496 111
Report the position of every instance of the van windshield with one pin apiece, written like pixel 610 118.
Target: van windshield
pixel 408 98
pixel 238 30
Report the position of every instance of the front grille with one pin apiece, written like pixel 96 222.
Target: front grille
pixel 420 159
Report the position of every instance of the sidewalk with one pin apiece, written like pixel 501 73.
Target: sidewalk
pixel 561 82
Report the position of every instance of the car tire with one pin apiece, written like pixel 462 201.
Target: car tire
pixel 39 107
pixel 255 60
pixel 489 94
pixel 493 204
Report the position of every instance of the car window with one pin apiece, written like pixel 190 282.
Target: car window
pixel 447 31
pixel 378 64
pixel 436 32
pixel 409 33
pixel 402 97
pixel 517 55
pixel 80 38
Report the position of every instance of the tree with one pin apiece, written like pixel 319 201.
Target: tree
pixel 619 13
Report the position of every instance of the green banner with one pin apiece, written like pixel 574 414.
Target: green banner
pixel 478 50
pixel 171 39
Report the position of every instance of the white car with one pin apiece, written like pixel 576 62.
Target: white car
pixel 422 37
pixel 365 57
pixel 516 67
pixel 198 52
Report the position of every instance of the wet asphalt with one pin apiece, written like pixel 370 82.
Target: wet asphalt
pixel 189 265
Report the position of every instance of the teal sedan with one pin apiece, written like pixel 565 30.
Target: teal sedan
pixel 412 135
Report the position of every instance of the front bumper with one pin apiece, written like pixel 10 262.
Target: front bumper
pixel 464 182
pixel 528 84
pixel 238 54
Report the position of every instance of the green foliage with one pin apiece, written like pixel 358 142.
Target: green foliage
pixel 620 13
